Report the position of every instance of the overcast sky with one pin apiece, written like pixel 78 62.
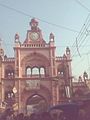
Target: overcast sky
pixel 64 18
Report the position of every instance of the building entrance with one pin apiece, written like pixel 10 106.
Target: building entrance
pixel 36 104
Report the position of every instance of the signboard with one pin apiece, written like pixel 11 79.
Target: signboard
pixel 32 84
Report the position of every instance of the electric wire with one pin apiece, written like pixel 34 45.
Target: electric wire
pixel 36 18
pixel 82 29
pixel 82 5
pixel 85 24
pixel 28 15
pixel 77 48
pixel 82 34
pixel 79 45
pixel 75 45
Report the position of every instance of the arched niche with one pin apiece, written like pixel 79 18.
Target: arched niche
pixel 44 93
pixel 35 61
pixel 36 103
pixel 9 71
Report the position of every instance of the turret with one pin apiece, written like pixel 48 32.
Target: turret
pixel 16 37
pixel 17 41
pixel 68 53
pixel 51 39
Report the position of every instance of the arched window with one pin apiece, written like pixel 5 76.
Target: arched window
pixel 42 71
pixel 9 72
pixel 28 71
pixel 35 71
pixel 60 72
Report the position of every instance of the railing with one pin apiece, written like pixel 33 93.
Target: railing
pixel 59 58
pixel 35 45
pixel 9 59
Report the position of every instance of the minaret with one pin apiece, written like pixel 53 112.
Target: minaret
pixel 17 54
pixel 51 39
pixel 17 41
pixel 52 54
pixel 68 54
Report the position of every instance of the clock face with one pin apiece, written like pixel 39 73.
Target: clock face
pixel 34 36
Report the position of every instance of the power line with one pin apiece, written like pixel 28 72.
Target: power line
pixel 77 48
pixel 18 11
pixel 82 29
pixel 28 15
pixel 83 54
pixel 82 5
pixel 84 32
pixel 78 45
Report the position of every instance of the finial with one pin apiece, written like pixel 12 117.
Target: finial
pixel 51 37
pixel 16 37
pixel 67 51
pixel 33 23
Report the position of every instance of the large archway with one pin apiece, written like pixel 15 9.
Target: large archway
pixel 36 104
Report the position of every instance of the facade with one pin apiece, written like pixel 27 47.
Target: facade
pixel 34 77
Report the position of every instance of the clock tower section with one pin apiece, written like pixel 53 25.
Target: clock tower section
pixel 34 35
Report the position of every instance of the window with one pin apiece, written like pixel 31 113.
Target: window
pixel 9 73
pixel 42 71
pixel 28 71
pixel 35 71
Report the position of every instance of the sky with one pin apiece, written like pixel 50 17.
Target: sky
pixel 68 20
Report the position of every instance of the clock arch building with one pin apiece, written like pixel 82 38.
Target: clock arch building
pixel 34 77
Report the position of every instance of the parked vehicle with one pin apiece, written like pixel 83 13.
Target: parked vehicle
pixel 65 111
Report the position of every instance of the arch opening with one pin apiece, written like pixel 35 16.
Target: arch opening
pixel 36 104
